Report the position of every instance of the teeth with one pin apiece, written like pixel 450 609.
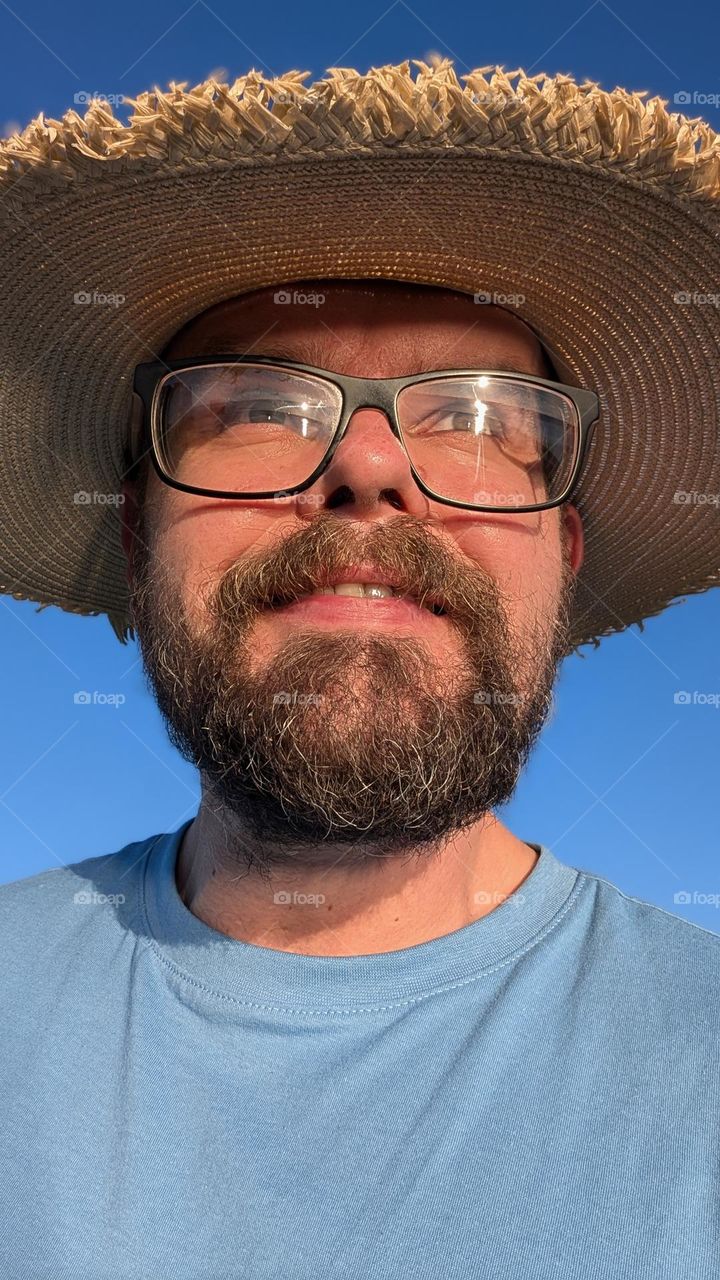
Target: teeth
pixel 376 590
pixel 373 590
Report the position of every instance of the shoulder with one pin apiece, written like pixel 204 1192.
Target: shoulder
pixel 664 961
pixel 651 919
pixel 53 910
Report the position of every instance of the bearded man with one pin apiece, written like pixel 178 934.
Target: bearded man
pixel 393 407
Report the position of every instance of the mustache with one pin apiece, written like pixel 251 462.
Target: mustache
pixel 402 548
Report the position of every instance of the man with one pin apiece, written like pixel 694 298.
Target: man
pixel 344 1022
pixel 379 757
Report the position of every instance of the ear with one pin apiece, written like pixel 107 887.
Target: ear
pixel 573 531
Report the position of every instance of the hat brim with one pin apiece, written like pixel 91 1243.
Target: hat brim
pixel 599 257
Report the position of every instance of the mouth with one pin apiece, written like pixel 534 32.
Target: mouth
pixel 364 591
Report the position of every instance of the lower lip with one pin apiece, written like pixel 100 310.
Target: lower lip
pixel 357 609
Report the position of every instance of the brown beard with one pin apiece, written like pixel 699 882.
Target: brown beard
pixel 344 739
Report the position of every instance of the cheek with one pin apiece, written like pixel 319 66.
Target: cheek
pixel 196 540
pixel 524 556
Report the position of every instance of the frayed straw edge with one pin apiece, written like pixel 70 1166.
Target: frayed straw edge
pixel 257 117
pixel 119 621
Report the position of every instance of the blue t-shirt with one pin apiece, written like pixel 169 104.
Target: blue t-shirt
pixel 535 1096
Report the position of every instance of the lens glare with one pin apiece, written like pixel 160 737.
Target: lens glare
pixel 245 428
pixel 479 438
pixel 489 440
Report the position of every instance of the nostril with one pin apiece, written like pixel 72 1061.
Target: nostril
pixel 341 495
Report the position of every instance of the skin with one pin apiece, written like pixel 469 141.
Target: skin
pixel 378 330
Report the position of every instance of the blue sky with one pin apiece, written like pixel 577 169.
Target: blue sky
pixel 623 781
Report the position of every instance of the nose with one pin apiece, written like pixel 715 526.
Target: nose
pixel 369 471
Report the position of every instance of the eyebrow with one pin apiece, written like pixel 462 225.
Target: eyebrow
pixel 310 353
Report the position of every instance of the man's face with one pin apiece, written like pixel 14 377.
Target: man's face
pixel 353 727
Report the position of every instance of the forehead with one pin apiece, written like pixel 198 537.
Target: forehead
pixel 372 329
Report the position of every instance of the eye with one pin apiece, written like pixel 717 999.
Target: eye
pixel 462 418
pixel 296 418
pixel 256 411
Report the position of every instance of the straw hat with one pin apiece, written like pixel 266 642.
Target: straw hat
pixel 599 209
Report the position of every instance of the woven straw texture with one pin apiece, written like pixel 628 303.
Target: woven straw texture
pixel 599 208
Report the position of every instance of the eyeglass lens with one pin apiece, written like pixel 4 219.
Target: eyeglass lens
pixel 473 438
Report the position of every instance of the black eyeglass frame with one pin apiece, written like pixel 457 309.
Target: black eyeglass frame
pixel 357 393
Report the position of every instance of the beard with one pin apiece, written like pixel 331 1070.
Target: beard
pixel 347 742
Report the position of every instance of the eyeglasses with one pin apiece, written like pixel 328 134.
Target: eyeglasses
pixel 256 427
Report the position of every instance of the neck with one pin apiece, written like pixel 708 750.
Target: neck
pixel 333 911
